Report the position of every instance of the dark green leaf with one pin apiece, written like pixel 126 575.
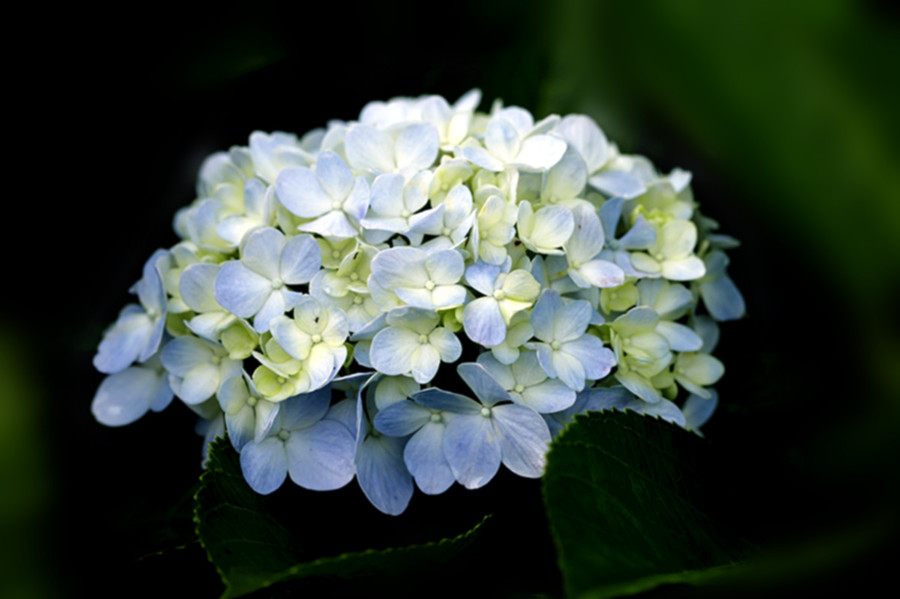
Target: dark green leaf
pixel 252 550
pixel 619 493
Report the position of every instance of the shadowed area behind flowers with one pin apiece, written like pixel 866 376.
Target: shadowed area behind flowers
pixel 784 114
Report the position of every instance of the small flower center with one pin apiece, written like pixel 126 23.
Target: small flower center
pixel 336 205
pixel 519 388
pixel 659 257
pixel 575 264
pixel 446 231
pixel 354 276
pixel 216 360
pixel 405 214
pixel 277 283
pixel 252 401
pixel 499 294
pixel 281 380
pixel 358 300
pixel 436 417
pixel 283 434
pixel 317 338
pixel 423 339
pixel 613 295
pixel 429 285
pixel 555 345
pixel 335 254
pixel 486 412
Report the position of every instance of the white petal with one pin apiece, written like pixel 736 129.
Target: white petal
pixel 369 149
pixel 392 350
pixel 262 251
pixel 683 269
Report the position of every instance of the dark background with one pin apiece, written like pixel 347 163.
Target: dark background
pixel 784 112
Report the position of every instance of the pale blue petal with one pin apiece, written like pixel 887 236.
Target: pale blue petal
pixel 127 395
pixel 289 337
pixel 321 457
pixel 400 267
pixel 266 413
pixel 196 287
pixel 262 251
pixel 446 343
pixel 481 277
pixel 472 449
pixel 612 398
pixel 544 314
pixel 357 202
pixel 483 322
pixel 600 273
pixel 524 439
pixel 572 320
pixel 697 410
pixel 392 350
pixel 299 190
pixel 588 238
pixel 683 269
pixel 417 146
pixel 199 384
pixel 369 149
pixel 425 363
pixel 241 426
pixel 722 298
pixel 401 418
pixel 387 195
pixel 609 213
pixel 618 183
pixel 273 306
pixel 334 175
pixel 332 224
pixel 680 337
pixel 485 387
pixel 641 236
pixel 596 359
pixel 264 465
pixel 540 152
pixel 240 290
pixel 637 320
pixel 445 267
pixel 424 457
pixel 445 401
pixel 639 385
pixel 503 373
pixel 552 395
pixel 582 133
pixel 569 369
pixel 183 354
pixel 382 475
pixel 303 411
pixel 481 158
pixel 125 341
pixel 501 139
pixel 300 260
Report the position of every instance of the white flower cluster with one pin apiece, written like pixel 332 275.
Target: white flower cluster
pixel 327 286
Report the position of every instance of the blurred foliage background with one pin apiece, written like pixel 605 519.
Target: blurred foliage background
pixel 786 113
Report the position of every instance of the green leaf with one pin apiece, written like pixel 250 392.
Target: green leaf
pixel 620 497
pixel 252 550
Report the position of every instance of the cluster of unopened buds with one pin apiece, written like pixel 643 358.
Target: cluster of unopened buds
pixel 423 295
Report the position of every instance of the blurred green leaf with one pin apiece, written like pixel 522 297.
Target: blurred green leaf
pixel 253 551
pixel 619 492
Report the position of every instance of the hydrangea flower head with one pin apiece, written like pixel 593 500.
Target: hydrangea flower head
pixel 421 296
